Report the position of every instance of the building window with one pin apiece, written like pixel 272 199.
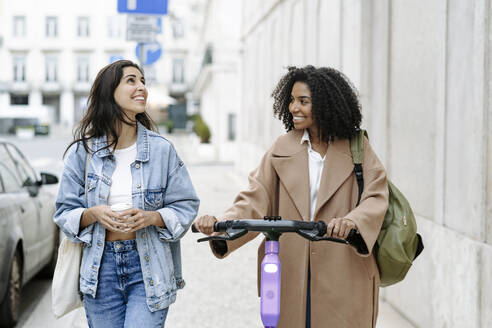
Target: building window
pixel 19 99
pixel 19 28
pixel 19 68
pixel 51 68
pixel 178 30
pixel 208 57
pixel 114 27
pixel 83 27
pixel 51 27
pixel 83 68
pixel 178 70
pixel 231 126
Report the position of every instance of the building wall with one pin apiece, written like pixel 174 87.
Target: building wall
pixel 217 86
pixel 423 71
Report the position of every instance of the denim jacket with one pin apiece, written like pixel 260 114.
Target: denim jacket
pixel 160 182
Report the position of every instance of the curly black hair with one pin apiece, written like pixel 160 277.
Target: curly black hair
pixel 335 106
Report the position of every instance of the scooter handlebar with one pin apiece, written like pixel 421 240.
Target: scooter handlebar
pixel 313 230
pixel 218 226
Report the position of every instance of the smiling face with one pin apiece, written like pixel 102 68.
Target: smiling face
pixel 131 93
pixel 301 107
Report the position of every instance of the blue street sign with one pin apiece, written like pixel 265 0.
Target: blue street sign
pixel 159 25
pixel 114 58
pixel 152 7
pixel 151 52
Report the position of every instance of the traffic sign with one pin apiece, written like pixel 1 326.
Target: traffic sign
pixel 114 58
pixel 152 7
pixel 143 22
pixel 142 28
pixel 140 36
pixel 151 52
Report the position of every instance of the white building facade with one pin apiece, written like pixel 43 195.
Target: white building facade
pixel 51 52
pixel 216 89
pixel 424 72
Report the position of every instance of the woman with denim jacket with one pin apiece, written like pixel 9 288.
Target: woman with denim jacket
pixel 131 263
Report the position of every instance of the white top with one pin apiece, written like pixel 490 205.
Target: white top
pixel 315 170
pixel 121 185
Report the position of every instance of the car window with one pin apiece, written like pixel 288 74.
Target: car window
pixel 24 170
pixel 10 180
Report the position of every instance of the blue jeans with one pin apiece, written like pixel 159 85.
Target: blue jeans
pixel 120 298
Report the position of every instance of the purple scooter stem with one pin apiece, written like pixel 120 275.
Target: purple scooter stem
pixel 270 285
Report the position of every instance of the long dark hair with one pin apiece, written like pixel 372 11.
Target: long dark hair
pixel 103 113
pixel 336 108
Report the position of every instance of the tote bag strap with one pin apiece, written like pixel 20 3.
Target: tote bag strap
pixel 87 160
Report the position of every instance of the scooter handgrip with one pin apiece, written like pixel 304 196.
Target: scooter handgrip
pixel 351 234
pixel 193 228
pixel 321 226
pixel 220 226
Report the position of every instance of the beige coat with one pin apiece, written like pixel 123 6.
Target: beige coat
pixel 344 284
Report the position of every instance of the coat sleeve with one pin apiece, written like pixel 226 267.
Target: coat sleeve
pixel 369 215
pixel 257 201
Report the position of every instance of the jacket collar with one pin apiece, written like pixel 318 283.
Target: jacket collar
pixel 142 145
pixel 290 160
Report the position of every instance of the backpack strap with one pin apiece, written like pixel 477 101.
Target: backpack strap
pixel 357 150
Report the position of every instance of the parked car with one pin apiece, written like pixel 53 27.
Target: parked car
pixel 28 236
pixel 29 123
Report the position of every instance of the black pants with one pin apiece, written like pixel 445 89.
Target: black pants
pixel 308 304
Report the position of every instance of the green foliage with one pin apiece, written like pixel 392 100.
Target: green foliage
pixel 201 129
pixel 169 124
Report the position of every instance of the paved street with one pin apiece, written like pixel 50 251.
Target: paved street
pixel 217 293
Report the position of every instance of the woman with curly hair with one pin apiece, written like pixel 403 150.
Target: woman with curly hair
pixel 308 175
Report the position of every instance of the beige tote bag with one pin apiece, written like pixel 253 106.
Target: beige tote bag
pixel 65 295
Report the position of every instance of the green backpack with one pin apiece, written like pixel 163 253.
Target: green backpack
pixel 398 243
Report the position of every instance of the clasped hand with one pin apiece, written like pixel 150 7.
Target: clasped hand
pixel 129 220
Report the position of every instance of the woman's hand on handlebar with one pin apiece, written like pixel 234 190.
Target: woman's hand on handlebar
pixel 340 227
pixel 205 224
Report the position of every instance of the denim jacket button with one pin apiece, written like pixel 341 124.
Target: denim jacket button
pixel 144 235
pixel 147 258
pixel 139 186
pixel 137 166
pixel 151 283
pixel 157 306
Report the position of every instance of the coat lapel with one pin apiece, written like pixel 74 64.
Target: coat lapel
pixel 337 168
pixel 291 164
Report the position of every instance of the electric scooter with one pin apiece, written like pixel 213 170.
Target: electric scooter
pixel 273 227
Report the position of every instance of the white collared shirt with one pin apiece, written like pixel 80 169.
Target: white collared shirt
pixel 316 163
